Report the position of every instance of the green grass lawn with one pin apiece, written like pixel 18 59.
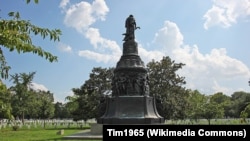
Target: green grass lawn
pixel 35 134
pixel 38 133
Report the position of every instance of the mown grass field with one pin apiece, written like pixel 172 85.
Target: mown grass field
pixel 49 133
pixel 37 134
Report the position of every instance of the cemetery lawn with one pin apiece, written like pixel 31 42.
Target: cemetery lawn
pixel 37 134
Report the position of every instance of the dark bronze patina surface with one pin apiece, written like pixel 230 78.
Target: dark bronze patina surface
pixel 130 102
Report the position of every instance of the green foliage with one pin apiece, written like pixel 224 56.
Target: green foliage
pixel 167 86
pixel 173 101
pixel 87 97
pixel 71 104
pixel 27 102
pixel 21 99
pixel 85 107
pixel 222 100
pixel 5 104
pixel 61 111
pixel 36 1
pixel 15 35
pixel 4 68
pixel 15 127
pixel 46 106
pixel 240 100
pixel 212 111
pixel 246 112
pixel 196 104
pixel 99 84
pixel 202 106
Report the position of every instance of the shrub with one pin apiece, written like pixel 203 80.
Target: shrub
pixel 15 127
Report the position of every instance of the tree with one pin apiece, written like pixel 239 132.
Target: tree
pixel 196 104
pixel 46 105
pixel 16 35
pixel 245 113
pixel 85 109
pixel 61 111
pixel 87 99
pixel 167 86
pixel 99 83
pixel 58 110
pixel 33 105
pixel 239 100
pixel 71 104
pixel 202 106
pixel 212 110
pixel 5 104
pixel 21 100
pixel 222 100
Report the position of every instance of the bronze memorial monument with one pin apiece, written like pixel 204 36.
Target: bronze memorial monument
pixel 131 101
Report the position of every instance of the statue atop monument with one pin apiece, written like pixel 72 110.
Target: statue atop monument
pixel 130 25
pixel 130 101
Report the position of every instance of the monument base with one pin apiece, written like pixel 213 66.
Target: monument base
pixel 131 110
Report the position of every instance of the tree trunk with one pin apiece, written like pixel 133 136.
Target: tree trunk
pixel 23 118
pixel 44 123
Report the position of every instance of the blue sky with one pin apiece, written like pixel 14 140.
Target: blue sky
pixel 211 37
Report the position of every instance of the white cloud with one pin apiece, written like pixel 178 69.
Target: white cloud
pixel 79 16
pixel 98 57
pixel 226 12
pixel 64 48
pixel 208 73
pixel 217 88
pixel 101 45
pixel 215 16
pixel 83 14
pixel 100 9
pixel 62 97
pixel 149 55
pixel 169 36
pixel 63 3
pixel 211 72
pixel 38 87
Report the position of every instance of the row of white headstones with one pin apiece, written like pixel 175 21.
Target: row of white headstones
pixel 40 123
